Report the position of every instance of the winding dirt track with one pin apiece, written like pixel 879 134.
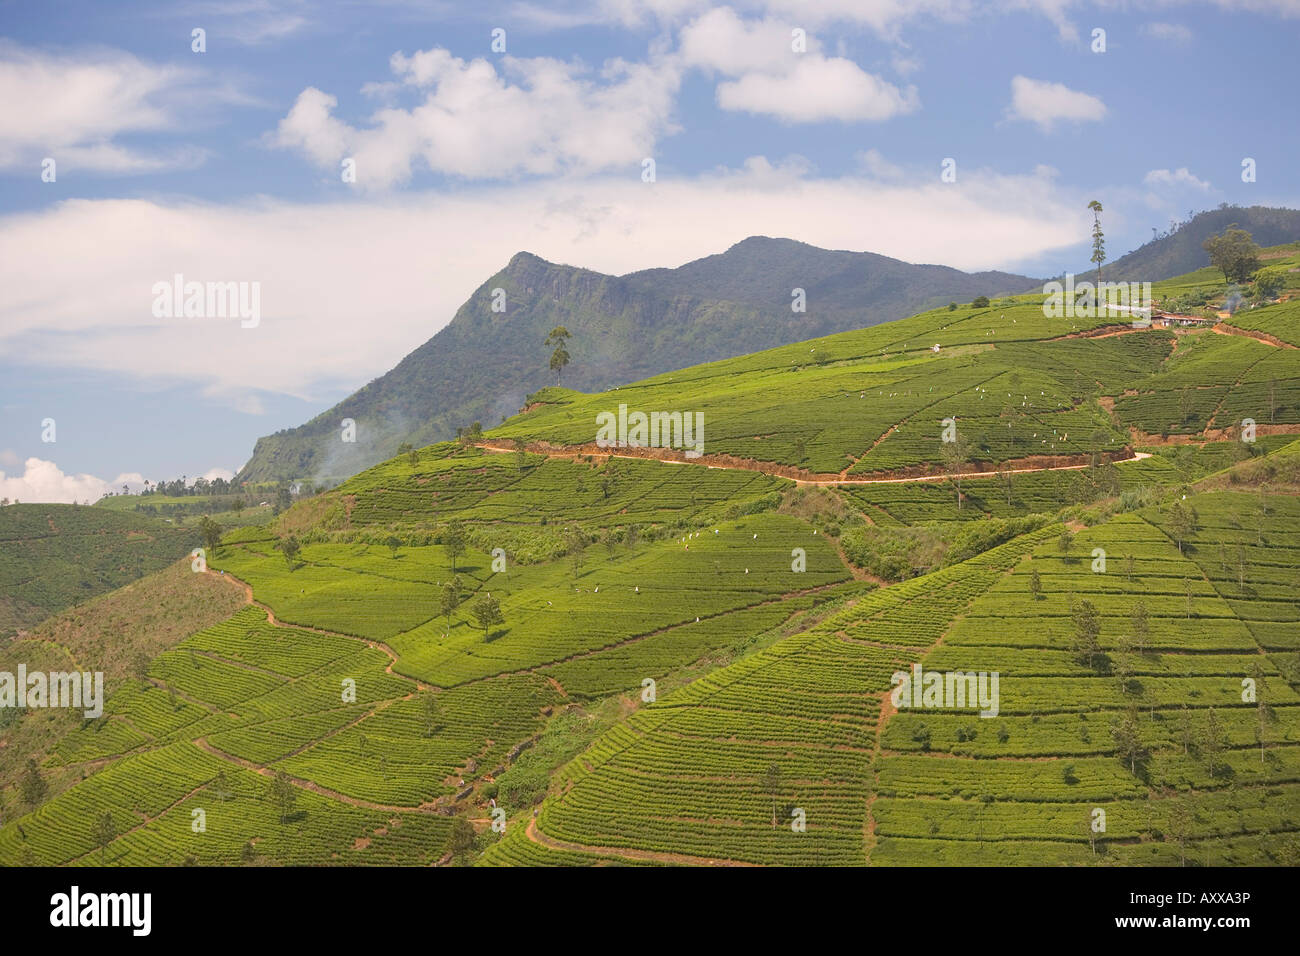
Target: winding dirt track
pixel 798 475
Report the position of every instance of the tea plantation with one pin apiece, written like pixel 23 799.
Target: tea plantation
pixel 522 648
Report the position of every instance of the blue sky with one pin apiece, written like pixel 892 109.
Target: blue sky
pixel 225 165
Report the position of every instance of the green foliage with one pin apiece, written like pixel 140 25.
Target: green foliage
pixel 290 548
pixel 54 556
pixel 979 536
pixel 487 612
pixel 283 794
pixel 557 337
pixel 1270 281
pixel 33 787
pixel 1234 253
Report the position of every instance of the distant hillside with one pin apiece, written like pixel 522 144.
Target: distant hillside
pixel 1180 252
pixel 55 556
pixel 482 364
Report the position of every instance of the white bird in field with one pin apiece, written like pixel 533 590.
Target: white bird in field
pixel 746 570
pixel 755 534
pixel 637 589
pixel 697 619
pixel 597 591
pixel 548 603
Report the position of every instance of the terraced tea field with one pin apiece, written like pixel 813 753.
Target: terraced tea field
pixel 526 649
pixel 54 556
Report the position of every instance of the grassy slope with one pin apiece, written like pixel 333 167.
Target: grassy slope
pixel 54 556
pixel 764 677
pixel 686 775
pixel 104 634
pixel 873 401
pixel 263 697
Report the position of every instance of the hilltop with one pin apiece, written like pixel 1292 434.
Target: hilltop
pixel 483 363
pixel 1178 251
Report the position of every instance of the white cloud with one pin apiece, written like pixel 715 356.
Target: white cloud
pixel 212 474
pixel 720 40
pixel 348 288
pixel 1168 32
pixel 474 122
pixel 1045 104
pixel 886 18
pixel 250 22
pixel 770 78
pixel 627 13
pixel 1177 177
pixel 818 89
pixel 73 107
pixel 875 165
pixel 43 481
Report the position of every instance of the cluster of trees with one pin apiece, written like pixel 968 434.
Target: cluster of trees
pixel 182 487
pixel 1235 254
pixel 486 610
pixel 201 488
pixel 1126 731
pixel 466 436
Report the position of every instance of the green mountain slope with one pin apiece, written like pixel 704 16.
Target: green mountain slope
pixel 1180 251
pixel 482 365
pixel 630 660
pixel 55 556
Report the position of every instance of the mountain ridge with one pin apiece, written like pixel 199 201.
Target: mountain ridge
pixel 482 364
